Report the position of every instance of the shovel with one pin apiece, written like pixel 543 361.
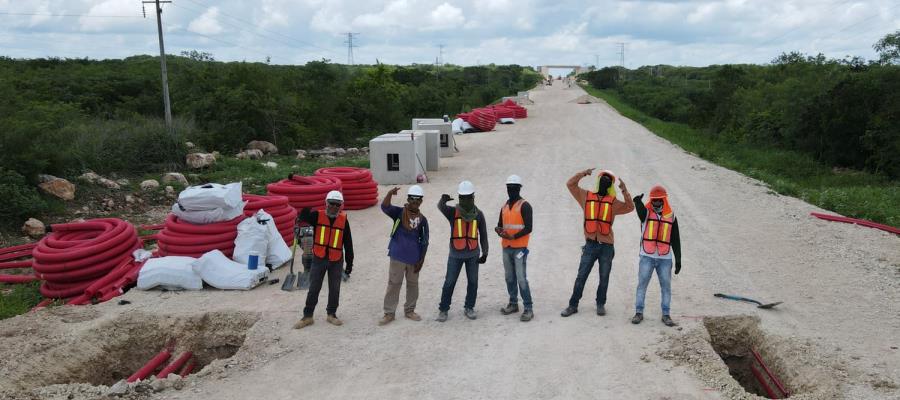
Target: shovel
pixel 738 298
pixel 288 284
pixel 303 281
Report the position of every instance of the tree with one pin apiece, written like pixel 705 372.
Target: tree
pixel 888 48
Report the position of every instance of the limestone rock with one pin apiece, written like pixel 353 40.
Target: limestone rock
pixel 149 184
pixel 58 187
pixel 175 177
pixel 33 228
pixel 108 183
pixel 200 160
pixel 170 191
pixel 270 164
pixel 189 145
pixel 252 154
pixel 265 147
pixel 353 151
pixel 340 152
pixel 123 182
pixel 89 177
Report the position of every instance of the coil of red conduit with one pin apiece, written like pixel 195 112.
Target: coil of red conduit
pixel 305 191
pixel 503 112
pixel 180 238
pixel 94 254
pixel 483 119
pixel 519 111
pixel 11 258
pixel 359 189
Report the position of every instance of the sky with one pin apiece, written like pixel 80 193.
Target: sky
pixel 461 32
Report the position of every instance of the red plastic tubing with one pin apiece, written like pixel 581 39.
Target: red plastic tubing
pixel 869 224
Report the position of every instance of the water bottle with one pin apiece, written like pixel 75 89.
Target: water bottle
pixel 253 260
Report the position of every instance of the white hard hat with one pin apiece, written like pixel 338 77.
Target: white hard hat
pixel 514 180
pixel 335 195
pixel 466 188
pixel 415 190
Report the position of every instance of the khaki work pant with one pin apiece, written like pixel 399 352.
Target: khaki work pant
pixel 395 280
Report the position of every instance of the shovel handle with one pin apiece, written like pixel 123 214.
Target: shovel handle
pixel 739 298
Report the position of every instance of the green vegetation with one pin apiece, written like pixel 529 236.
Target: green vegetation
pixel 18 299
pixel 255 176
pixel 789 172
pixel 63 117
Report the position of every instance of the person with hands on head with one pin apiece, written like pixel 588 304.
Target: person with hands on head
pixel 332 246
pixel 660 240
pixel 468 237
pixel 407 248
pixel 514 228
pixel 600 209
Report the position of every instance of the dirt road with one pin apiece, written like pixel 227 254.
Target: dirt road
pixel 836 333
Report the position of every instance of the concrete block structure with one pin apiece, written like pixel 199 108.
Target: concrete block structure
pixel 432 155
pixel 445 135
pixel 394 158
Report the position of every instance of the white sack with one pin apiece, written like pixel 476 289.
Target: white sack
pixel 201 217
pixel 507 120
pixel 251 236
pixel 220 272
pixel 278 252
pixel 172 272
pixel 211 196
pixel 467 127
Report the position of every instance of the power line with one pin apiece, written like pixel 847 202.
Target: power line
pixel 67 15
pixel 222 41
pixel 836 4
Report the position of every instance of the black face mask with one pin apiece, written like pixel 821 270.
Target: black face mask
pixel 513 191
pixel 605 183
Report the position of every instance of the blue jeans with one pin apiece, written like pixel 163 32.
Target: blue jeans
pixel 454 267
pixel 593 251
pixel 663 268
pixel 516 277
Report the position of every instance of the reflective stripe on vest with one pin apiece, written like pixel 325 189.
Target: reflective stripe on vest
pixel 598 213
pixel 513 222
pixel 657 235
pixel 464 235
pixel 329 238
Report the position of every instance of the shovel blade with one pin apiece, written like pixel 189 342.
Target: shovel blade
pixel 288 285
pixel 770 305
pixel 303 282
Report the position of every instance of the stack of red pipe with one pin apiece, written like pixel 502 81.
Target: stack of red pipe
pixel 519 111
pixel 87 260
pixel 503 112
pixel 359 189
pixel 10 259
pixel 305 191
pixel 180 238
pixel 483 119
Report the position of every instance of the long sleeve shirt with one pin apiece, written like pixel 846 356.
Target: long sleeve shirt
pixel 311 217
pixel 619 207
pixel 450 213
pixel 675 240
pixel 526 216
pixel 407 245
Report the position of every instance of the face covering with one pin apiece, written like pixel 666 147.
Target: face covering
pixel 657 208
pixel 513 192
pixel 605 182
pixel 466 207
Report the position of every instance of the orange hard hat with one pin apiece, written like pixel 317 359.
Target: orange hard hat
pixel 658 192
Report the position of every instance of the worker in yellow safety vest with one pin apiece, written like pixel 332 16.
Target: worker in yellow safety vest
pixel 514 228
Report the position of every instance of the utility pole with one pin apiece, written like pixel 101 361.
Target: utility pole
pixel 162 61
pixel 596 61
pixel 441 56
pixel 350 47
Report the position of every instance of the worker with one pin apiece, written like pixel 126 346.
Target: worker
pixel 600 209
pixel 514 229
pixel 468 237
pixel 407 248
pixel 659 242
pixel 332 245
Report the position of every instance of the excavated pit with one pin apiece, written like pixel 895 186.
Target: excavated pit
pixel 112 351
pixel 734 339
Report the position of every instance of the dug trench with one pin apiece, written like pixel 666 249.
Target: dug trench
pixel 102 354
pixel 721 352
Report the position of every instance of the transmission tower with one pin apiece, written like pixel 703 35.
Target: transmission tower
pixel 350 46
pixel 621 53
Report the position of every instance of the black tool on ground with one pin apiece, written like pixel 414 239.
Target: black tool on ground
pixel 288 284
pixel 306 244
pixel 739 298
pixel 273 281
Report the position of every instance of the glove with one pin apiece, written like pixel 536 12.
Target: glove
pixel 639 198
pixel 347 271
pixel 482 259
pixel 445 198
pixel 677 268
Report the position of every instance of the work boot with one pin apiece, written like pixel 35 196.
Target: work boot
pixel 526 316
pixel 386 319
pixel 601 310
pixel 667 320
pixel 442 316
pixel 333 319
pixel 569 311
pixel 637 318
pixel 413 316
pixel 470 313
pixel 509 309
pixel 304 322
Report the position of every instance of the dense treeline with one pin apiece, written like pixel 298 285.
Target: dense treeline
pixel 844 113
pixel 66 116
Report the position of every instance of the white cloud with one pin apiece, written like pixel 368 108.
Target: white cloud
pixel 207 24
pixel 446 16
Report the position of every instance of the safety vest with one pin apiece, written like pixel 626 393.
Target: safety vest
pixel 464 235
pixel 512 224
pixel 657 233
pixel 598 213
pixel 329 238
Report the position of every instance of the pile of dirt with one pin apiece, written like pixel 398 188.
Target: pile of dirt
pixel 586 99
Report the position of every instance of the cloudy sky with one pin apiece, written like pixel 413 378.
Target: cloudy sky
pixel 526 32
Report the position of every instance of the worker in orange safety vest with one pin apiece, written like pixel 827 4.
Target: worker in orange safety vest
pixel 514 228
pixel 660 241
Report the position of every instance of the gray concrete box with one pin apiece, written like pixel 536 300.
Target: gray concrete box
pixel 446 141
pixel 417 121
pixel 393 159
pixel 432 153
